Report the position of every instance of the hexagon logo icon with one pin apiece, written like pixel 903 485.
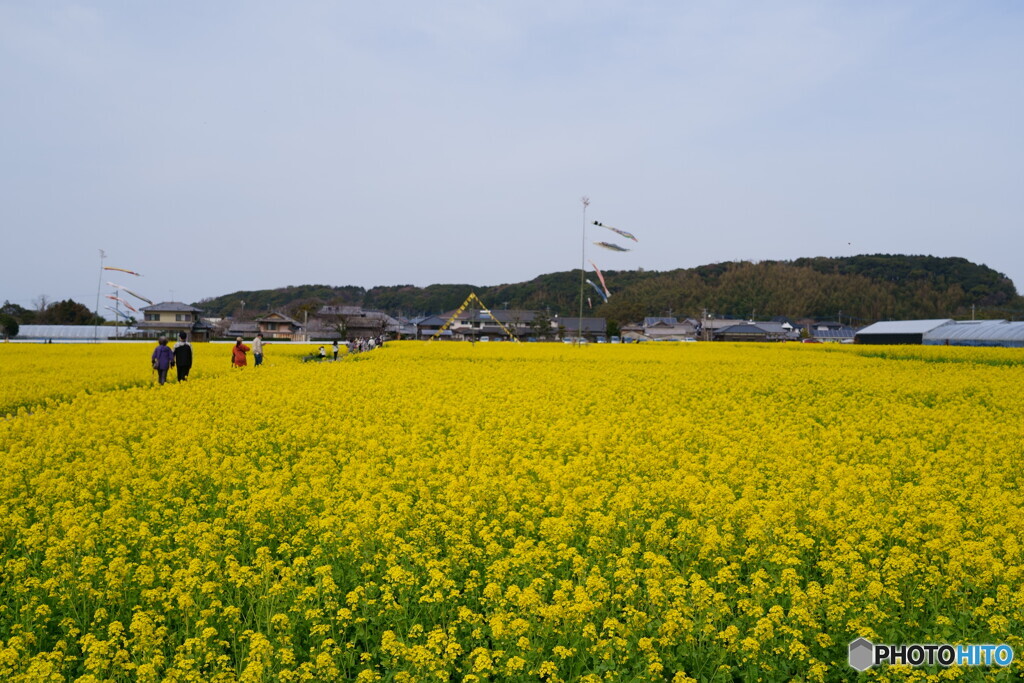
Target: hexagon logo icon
pixel 862 654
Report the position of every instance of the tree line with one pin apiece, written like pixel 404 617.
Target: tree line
pixel 46 312
pixel 859 289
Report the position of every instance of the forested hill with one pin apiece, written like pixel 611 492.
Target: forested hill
pixel 862 288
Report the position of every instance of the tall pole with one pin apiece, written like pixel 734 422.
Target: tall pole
pixel 583 269
pixel 96 313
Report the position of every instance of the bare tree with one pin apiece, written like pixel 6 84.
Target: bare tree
pixel 380 324
pixel 338 318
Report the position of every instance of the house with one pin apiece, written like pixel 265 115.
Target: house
pixel 406 328
pixel 245 329
pixel 778 331
pixel 280 326
pixel 766 331
pixel 592 327
pixel 426 327
pixel 711 326
pixel 670 329
pixel 474 324
pixel 350 322
pixel 744 331
pixel 171 317
pixel 786 321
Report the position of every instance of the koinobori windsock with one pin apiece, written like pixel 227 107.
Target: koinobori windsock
pixel 627 235
pixel 600 277
pixel 126 304
pixel 609 245
pixel 122 270
pixel 125 289
pixel 598 290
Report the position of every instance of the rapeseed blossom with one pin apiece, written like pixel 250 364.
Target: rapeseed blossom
pixel 34 374
pixel 500 512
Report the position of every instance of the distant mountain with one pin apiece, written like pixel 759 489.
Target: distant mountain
pixel 859 288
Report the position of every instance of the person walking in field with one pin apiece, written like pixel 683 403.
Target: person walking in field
pixel 238 351
pixel 257 349
pixel 183 356
pixel 335 347
pixel 163 359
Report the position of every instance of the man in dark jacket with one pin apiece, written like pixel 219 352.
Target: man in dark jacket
pixel 183 356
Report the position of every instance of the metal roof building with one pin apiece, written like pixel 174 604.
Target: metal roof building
pixel 899 331
pixel 978 333
pixel 834 334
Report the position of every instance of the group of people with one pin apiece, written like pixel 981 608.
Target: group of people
pixel 360 345
pixel 165 358
pixel 351 346
pixel 180 356
pixel 238 351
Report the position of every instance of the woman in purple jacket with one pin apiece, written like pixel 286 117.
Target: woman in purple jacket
pixel 163 359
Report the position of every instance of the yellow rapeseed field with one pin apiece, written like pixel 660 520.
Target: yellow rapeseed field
pixel 33 374
pixel 500 512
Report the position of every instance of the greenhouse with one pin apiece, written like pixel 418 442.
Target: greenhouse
pixel 977 333
pixel 65 333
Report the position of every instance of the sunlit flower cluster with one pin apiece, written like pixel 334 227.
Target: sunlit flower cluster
pixel 501 512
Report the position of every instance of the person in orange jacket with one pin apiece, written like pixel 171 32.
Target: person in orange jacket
pixel 238 351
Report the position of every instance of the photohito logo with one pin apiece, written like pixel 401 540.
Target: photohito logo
pixel 864 654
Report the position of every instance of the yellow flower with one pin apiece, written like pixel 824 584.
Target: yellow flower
pixel 445 510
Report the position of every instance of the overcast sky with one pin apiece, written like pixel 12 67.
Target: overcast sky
pixel 218 146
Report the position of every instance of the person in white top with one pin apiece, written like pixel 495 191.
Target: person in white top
pixel 257 349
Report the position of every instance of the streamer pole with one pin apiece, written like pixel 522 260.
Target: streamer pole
pixel 96 313
pixel 583 269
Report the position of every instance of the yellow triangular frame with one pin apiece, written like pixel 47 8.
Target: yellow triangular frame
pixel 472 297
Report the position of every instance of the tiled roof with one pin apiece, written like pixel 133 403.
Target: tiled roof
pixel 743 328
pixel 279 317
pixel 171 306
